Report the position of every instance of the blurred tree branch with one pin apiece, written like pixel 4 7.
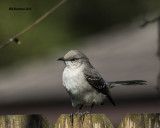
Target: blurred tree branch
pixel 146 21
pixel 15 37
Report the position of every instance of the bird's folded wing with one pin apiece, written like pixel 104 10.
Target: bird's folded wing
pixel 97 82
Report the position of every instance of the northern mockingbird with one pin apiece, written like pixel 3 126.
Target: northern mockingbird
pixel 84 84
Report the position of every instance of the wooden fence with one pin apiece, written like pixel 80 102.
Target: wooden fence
pixel 80 121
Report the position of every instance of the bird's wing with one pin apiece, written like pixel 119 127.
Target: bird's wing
pixel 97 82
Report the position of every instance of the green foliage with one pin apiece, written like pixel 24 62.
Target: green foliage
pixel 74 20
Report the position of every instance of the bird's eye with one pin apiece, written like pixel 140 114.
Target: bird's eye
pixel 74 59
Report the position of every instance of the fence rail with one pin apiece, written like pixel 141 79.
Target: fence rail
pixel 80 121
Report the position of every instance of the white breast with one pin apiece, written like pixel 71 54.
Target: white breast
pixel 74 80
pixel 80 90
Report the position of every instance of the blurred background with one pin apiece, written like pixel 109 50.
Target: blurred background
pixel 109 32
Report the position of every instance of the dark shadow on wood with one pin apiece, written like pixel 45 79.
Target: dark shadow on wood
pixel 23 121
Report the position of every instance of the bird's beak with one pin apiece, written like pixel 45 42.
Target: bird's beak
pixel 60 59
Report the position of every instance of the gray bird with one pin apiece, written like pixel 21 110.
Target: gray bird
pixel 84 84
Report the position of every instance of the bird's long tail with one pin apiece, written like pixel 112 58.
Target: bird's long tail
pixel 129 82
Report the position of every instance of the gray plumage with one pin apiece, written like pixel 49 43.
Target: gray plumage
pixel 97 82
pixel 84 84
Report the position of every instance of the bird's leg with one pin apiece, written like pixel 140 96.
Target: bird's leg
pixel 79 109
pixel 91 107
pixel 90 110
pixel 71 118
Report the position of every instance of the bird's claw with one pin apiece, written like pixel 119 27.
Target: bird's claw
pixel 85 113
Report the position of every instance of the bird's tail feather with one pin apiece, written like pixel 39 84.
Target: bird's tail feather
pixel 129 82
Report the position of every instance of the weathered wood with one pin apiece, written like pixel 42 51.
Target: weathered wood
pixel 63 121
pixel 80 121
pixel 83 121
pixel 158 53
pixel 141 121
pixel 23 121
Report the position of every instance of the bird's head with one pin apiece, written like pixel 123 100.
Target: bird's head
pixel 73 58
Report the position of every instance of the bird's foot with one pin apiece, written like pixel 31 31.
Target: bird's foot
pixel 78 113
pixel 85 113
